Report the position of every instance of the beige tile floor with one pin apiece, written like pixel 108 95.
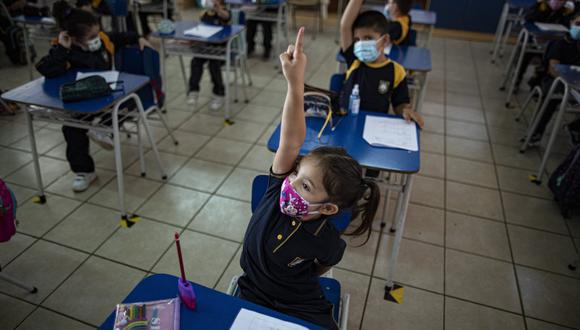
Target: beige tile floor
pixel 483 248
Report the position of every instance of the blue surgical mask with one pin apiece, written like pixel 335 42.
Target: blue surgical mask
pixel 366 50
pixel 575 32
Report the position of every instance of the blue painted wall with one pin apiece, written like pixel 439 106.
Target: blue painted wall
pixel 468 15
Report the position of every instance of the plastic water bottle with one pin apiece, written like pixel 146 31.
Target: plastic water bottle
pixel 354 101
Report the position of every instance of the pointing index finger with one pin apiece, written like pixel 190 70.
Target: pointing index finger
pixel 299 46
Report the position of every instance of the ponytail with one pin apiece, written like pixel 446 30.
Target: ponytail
pixel 344 183
pixel 370 195
pixel 76 22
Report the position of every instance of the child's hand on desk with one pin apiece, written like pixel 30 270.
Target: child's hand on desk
pixel 64 39
pixel 294 61
pixel 411 115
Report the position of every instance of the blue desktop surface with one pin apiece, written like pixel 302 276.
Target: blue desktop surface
pixel 411 58
pixel 226 33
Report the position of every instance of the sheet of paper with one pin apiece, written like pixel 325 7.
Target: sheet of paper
pixel 250 320
pixel 388 49
pixel 48 20
pixel 551 27
pixel 390 132
pixel 203 31
pixel 110 76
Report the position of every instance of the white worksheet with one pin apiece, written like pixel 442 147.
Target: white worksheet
pixel 390 132
pixel 250 320
pixel 202 31
pixel 551 27
pixel 110 76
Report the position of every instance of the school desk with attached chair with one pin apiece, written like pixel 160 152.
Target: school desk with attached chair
pixel 35 28
pixel 512 15
pixel 219 46
pixel 348 134
pixel 415 60
pixel 42 102
pixel 257 11
pixel 215 310
pixel 531 39
pixel 569 77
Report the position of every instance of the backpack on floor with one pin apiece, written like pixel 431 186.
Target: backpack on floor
pixel 7 212
pixel 13 39
pixel 565 183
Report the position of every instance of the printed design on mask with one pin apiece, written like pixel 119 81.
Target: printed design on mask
pixel 295 262
pixel 383 86
pixel 291 203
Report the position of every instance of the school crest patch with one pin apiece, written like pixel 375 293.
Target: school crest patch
pixel 383 86
pixel 295 262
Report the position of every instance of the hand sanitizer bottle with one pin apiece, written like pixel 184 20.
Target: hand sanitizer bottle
pixel 354 101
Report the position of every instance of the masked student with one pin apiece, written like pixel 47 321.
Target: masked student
pixel 381 81
pixel 397 11
pixel 82 45
pixel 564 51
pixel 545 11
pixel 215 14
pixel 290 241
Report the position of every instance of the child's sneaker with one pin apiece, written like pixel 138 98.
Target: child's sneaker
pixel 82 181
pixel 192 98
pixel 104 140
pixel 217 102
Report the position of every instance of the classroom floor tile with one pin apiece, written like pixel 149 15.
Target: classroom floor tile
pixel 44 265
pixel 460 314
pixel 223 217
pixel 462 265
pixel 476 235
pixel 550 297
pixel 420 309
pixel 93 290
pixel 481 280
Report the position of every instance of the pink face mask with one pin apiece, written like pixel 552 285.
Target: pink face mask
pixel 556 4
pixel 292 204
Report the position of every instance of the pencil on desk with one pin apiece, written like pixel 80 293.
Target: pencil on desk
pixel 335 126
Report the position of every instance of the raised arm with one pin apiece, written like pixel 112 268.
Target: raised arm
pixel 293 130
pixel 346 22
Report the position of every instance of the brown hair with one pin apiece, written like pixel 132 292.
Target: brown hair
pixel 346 187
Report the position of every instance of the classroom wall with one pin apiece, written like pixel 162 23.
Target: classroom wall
pixel 468 15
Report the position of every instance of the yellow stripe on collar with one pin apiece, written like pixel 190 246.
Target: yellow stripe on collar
pixel 404 21
pixel 109 46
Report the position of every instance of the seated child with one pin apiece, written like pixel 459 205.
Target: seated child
pixel 545 11
pixel 251 28
pixel 82 45
pixel 215 14
pixel 382 82
pixel 564 51
pixel 400 21
pixel 289 241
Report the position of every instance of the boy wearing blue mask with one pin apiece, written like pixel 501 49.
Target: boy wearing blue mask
pixel 381 81
pixel 564 51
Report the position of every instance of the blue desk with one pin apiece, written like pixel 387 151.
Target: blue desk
pixel 215 310
pixel 348 135
pixel 217 47
pixel 529 32
pixel 44 30
pixel 511 15
pixel 42 102
pixel 44 92
pixel 569 78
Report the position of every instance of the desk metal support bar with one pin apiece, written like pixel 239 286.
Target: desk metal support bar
pixel 41 196
pixel 400 218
